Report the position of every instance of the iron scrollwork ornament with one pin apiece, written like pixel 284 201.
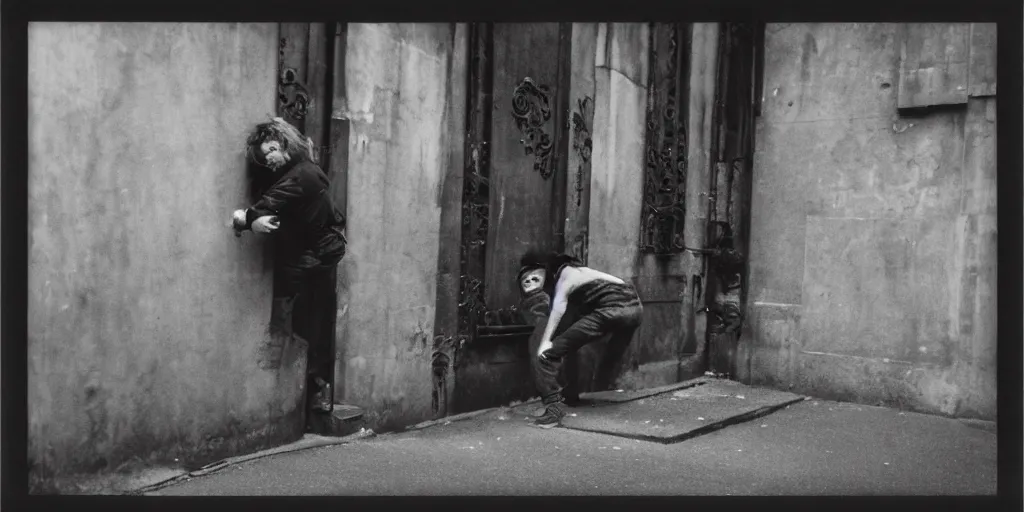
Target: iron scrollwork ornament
pixel 531 111
pixel 665 167
pixel 475 213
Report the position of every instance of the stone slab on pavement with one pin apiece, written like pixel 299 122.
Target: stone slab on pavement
pixel 680 415
pixel 621 395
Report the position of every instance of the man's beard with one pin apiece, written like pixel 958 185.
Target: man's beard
pixel 276 164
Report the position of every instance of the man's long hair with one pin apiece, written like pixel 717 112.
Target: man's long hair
pixel 298 146
pixel 550 261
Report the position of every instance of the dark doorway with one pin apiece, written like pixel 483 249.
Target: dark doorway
pixel 307 88
pixel 517 136
pixel 738 99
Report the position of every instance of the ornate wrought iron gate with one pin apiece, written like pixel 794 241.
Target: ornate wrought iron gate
pixel 738 100
pixel 696 197
pixel 668 278
pixel 514 188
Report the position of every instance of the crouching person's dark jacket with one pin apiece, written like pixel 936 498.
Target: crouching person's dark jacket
pixel 309 221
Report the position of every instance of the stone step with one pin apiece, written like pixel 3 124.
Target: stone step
pixel 344 420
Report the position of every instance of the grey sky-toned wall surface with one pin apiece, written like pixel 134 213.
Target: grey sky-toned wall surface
pixel 873 242
pixel 145 312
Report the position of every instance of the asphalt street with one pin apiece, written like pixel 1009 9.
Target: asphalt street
pixel 814 447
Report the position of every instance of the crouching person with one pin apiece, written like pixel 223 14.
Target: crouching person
pixel 604 306
pixel 297 211
pixel 535 305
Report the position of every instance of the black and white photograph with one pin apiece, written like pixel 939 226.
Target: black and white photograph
pixel 494 258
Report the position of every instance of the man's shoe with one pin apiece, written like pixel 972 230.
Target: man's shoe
pixel 323 400
pixel 552 417
pixel 568 401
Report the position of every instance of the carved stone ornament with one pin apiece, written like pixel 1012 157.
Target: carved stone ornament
pixel 292 95
pixel 531 111
pixel 664 188
pixel 581 141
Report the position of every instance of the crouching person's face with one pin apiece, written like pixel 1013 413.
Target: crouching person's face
pixel 272 154
pixel 532 281
pixel 534 302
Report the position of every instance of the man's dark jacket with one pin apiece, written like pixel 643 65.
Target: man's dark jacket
pixel 308 218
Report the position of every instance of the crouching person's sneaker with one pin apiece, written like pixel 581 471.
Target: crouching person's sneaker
pixel 552 416
pixel 570 400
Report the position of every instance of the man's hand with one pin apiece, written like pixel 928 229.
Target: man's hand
pixel 265 224
pixel 544 347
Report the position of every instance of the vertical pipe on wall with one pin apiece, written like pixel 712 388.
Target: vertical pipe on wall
pixel 318 81
pixel 446 319
pixel 758 92
pixel 719 123
pixel 475 190
pixel 743 353
pixel 337 170
pixel 562 118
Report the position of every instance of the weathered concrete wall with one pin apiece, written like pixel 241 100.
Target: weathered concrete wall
pixel 872 251
pixel 620 105
pixel 396 80
pixel 145 313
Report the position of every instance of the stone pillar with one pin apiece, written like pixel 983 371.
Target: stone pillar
pixel 620 102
